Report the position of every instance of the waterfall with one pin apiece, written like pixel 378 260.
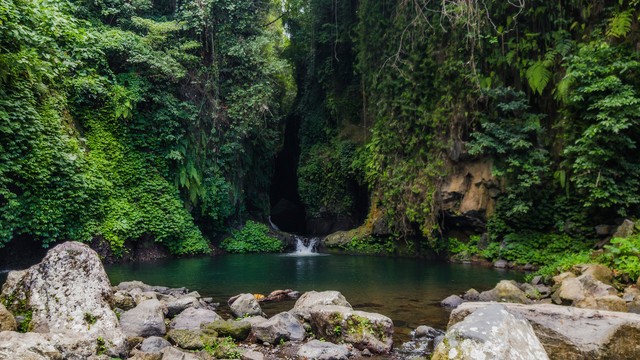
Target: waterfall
pixel 306 246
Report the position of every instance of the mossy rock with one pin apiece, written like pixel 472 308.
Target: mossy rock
pixel 190 339
pixel 236 329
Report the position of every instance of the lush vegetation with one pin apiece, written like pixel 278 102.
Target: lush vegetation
pixel 252 238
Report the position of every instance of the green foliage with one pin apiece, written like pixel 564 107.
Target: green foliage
pixel 370 245
pixel 564 262
pixel 223 348
pixel 623 255
pixel 253 238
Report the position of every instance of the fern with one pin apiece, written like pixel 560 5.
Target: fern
pixel 538 76
pixel 620 24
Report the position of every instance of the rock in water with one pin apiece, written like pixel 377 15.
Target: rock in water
pixel 245 305
pixel 491 333
pixel 67 295
pixel 505 291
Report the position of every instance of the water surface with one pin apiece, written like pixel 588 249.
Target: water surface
pixel 406 290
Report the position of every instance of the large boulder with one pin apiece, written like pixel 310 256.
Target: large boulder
pixel 31 346
pixel 146 319
pixel 364 330
pixel 67 293
pixel 176 306
pixel 569 333
pixel 490 333
pixel 281 327
pixel 505 291
pixel 7 320
pixel 322 350
pixel 586 291
pixel 312 299
pixel 193 319
pixel 245 305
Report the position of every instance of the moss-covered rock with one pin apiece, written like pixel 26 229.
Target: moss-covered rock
pixel 236 329
pixel 190 339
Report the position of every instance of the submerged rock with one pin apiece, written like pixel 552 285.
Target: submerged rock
pixel 451 301
pixel 364 330
pixel 490 333
pixel 68 294
pixel 573 333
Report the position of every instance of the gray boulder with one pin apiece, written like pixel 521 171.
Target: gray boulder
pixel 146 319
pixel 505 291
pixel 245 305
pixel 322 350
pixel 312 299
pixel 7 320
pixel 491 333
pixel 364 330
pixel 31 346
pixel 192 319
pixel 283 326
pixel 68 294
pixel 172 353
pixel 451 301
pixel 573 333
pixel 154 344
pixel 176 306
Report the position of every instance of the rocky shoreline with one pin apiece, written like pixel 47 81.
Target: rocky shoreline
pixel 65 308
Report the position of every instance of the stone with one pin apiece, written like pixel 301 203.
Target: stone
pixel 634 306
pixel 281 327
pixel 312 299
pixel 322 350
pixel 154 344
pixel 491 333
pixel 7 320
pixel 471 295
pixel 424 339
pixel 500 264
pixel 171 353
pixel 574 333
pixel 584 291
pixel 252 355
pixel 604 230
pixel 537 280
pixel 364 330
pixel 630 293
pixel 238 330
pixel 189 339
pixel 193 318
pixel 558 279
pixel 28 346
pixel 146 319
pixel 68 293
pixel 597 271
pixel 624 230
pixel 451 301
pixel 177 306
pixel 505 291
pixel 123 300
pixel 245 305
pixel 531 291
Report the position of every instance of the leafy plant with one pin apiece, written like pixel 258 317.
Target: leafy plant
pixel 623 255
pixel 251 239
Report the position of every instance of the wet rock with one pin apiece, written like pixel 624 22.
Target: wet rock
pixel 471 295
pixel 32 346
pixel 281 327
pixel 505 291
pixel 311 299
pixel 193 318
pixel 574 333
pixel 322 350
pixel 146 319
pixel 7 320
pixel 154 344
pixel 491 333
pixel 451 301
pixel 238 330
pixel 364 330
pixel 68 293
pixel 245 305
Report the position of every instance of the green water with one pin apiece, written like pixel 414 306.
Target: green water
pixel 406 290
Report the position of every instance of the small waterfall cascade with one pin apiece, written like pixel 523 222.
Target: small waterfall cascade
pixel 306 246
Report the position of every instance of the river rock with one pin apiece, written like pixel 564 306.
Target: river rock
pixel 68 294
pixel 123 300
pixel 322 350
pixel 146 319
pixel 585 291
pixel 281 327
pixel 154 344
pixel 176 306
pixel 237 329
pixel 252 355
pixel 500 264
pixel 424 339
pixel 193 318
pixel 569 333
pixel 471 295
pixel 490 333
pixel 451 301
pixel 245 305
pixel 630 293
pixel 31 346
pixel 7 320
pixel 190 339
pixel 172 353
pixel 342 324
pixel 505 291
pixel 312 299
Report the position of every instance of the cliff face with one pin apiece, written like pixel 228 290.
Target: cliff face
pixel 467 196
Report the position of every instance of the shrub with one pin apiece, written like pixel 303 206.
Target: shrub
pixel 253 238
pixel 623 256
